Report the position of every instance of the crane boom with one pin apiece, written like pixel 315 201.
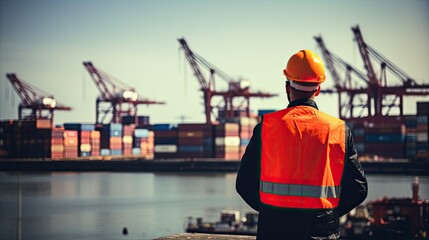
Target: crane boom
pixel 100 82
pixel 348 97
pixel 363 49
pixel 206 87
pixel 401 74
pixel 115 94
pixel 376 96
pixel 379 89
pixel 235 89
pixel 328 59
pixel 192 59
pixel 40 103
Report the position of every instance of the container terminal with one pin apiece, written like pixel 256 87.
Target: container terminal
pixel 387 140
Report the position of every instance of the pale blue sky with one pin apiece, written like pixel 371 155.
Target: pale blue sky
pixel 45 41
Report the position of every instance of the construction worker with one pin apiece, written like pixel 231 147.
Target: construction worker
pixel 300 170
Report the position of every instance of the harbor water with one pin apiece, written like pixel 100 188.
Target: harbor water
pixel 99 205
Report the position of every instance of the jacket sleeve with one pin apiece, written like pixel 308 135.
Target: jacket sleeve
pixel 354 187
pixel 248 176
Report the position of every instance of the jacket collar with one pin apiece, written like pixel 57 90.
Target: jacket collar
pixel 303 102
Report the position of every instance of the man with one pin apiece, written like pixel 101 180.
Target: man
pixel 301 169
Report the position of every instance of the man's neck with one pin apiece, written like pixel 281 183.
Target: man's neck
pixel 303 102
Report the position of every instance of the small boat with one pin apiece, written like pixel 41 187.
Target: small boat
pixel 389 218
pixel 229 223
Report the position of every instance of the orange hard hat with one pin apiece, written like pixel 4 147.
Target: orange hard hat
pixel 305 66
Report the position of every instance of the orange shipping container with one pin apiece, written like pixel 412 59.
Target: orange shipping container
pixel 95 135
pixel 70 141
pixel 70 133
pixel 116 140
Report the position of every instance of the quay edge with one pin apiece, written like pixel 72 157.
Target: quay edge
pixel 122 164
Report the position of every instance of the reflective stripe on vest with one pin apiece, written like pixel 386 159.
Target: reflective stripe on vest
pixel 302 158
pixel 300 190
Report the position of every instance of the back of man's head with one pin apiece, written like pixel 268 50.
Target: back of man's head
pixel 304 72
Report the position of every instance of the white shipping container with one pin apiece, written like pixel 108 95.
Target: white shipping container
pixel 136 151
pixel 422 137
pixel 127 139
pixel 85 147
pixel 248 121
pixel 227 141
pixel 168 148
pixel 105 152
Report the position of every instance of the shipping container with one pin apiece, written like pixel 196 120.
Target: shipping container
pixel 127 139
pixel 7 138
pixel 110 139
pixel 195 140
pixel 136 120
pixel 71 144
pixel 166 140
pixel 227 141
pixel 422 132
pixel 57 144
pixel 87 145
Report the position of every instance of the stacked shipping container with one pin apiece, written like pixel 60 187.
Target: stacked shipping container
pixel 393 138
pixel 94 141
pixel 127 139
pixel 57 144
pixel 385 137
pixel 143 143
pixel 166 140
pixel 227 141
pixel 71 144
pixel 410 136
pixel 139 121
pixel 110 139
pixel 195 140
pixel 26 139
pixel 246 131
pixel 422 131
pixel 6 138
pixel 85 137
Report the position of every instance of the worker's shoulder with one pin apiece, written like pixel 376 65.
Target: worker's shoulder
pixel 331 119
pixel 280 112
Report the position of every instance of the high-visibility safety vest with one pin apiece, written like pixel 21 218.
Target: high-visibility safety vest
pixel 302 158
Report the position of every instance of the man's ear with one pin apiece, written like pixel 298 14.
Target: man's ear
pixel 287 87
pixel 317 91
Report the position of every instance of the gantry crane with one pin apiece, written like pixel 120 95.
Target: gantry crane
pixel 236 88
pixel 35 103
pixel 372 94
pixel 386 97
pixel 351 93
pixel 116 99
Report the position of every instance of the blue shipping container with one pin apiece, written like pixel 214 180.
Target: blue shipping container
pixel 374 138
pixel 79 126
pixel 141 133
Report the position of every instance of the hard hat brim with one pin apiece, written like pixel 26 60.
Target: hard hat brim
pixel 296 85
pixel 319 79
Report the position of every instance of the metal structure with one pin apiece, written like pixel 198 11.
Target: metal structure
pixel 371 94
pixel 385 97
pixel 116 99
pixel 35 103
pixel 237 89
pixel 351 88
